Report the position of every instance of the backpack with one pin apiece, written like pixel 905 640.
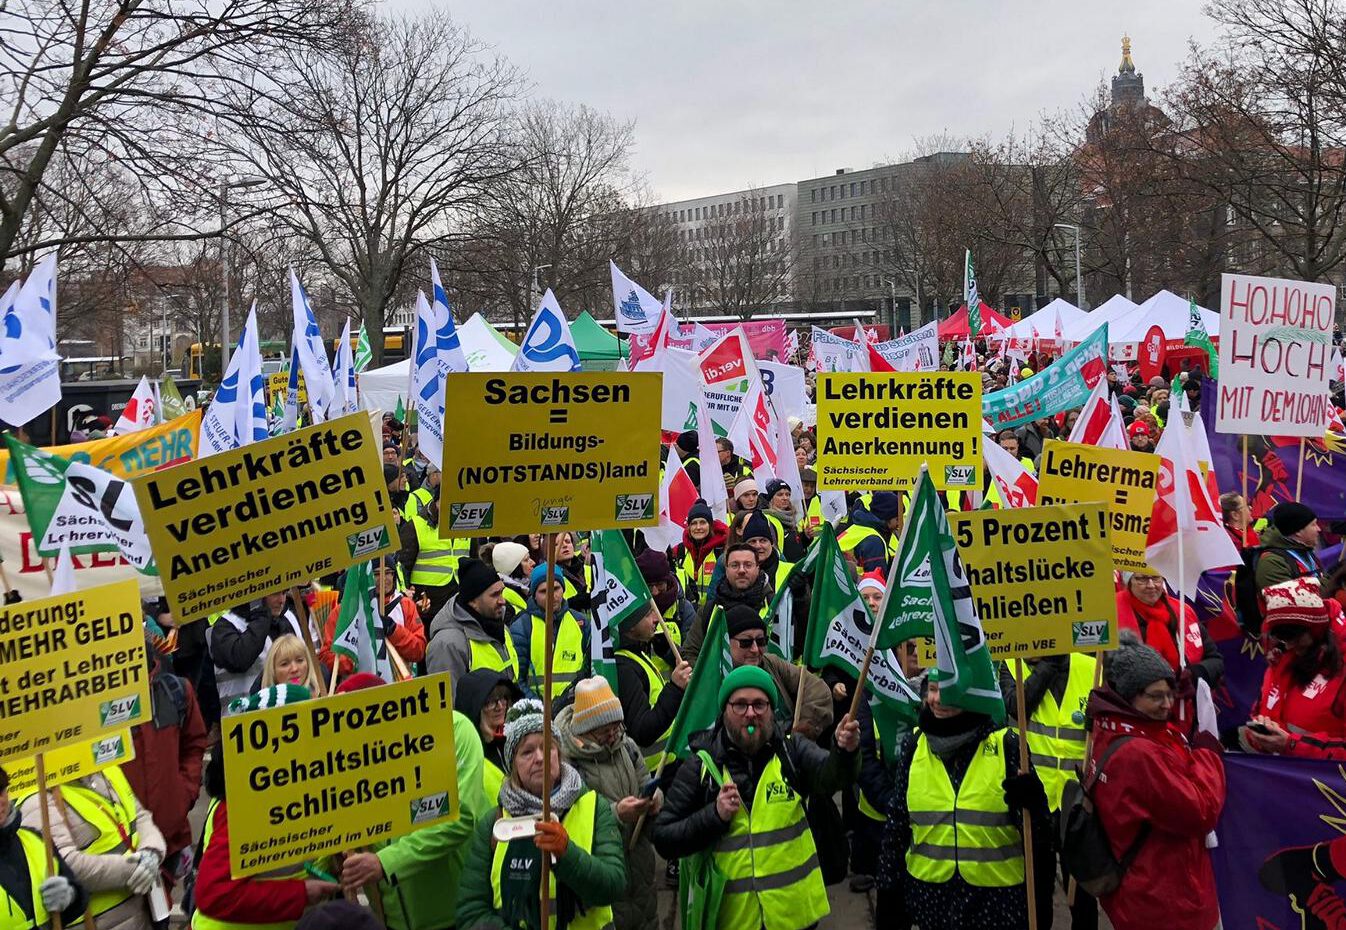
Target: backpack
pixel 1086 854
pixel 1247 597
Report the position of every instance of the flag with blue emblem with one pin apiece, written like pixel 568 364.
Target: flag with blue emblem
pixel 237 413
pixel 343 376
pixel 548 344
pixel 427 384
pixel 447 346
pixel 30 368
pixel 636 309
pixel 312 353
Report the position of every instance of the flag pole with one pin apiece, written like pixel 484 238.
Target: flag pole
pixel 40 770
pixel 548 645
pixel 904 523
pixel 301 611
pixel 1243 463
pixel 1024 767
pixel 1299 470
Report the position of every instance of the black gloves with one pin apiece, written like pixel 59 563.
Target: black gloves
pixel 1025 791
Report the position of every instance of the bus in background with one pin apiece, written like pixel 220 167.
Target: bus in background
pixel 275 353
pixel 396 340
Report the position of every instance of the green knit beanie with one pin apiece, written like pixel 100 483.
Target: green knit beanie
pixel 749 676
pixel 275 696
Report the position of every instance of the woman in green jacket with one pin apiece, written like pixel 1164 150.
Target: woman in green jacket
pixel 501 882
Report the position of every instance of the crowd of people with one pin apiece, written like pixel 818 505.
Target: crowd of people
pixel 785 795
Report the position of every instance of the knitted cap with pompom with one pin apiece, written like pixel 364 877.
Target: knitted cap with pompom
pixel 523 718
pixel 595 706
pixel 275 696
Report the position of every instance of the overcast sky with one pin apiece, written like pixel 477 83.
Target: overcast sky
pixel 729 95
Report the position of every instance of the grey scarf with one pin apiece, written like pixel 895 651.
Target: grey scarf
pixel 520 803
pixel 946 746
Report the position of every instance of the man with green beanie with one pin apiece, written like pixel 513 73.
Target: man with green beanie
pixel 742 794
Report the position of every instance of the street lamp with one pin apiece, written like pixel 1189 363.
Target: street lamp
pixel 225 188
pixel 1079 277
pixel 916 298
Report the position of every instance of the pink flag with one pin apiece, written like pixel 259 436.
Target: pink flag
pixel 1016 486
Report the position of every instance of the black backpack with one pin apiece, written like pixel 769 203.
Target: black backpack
pixel 1247 597
pixel 1086 854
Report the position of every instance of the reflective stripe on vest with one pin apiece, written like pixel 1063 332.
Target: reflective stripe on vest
pixel 203 921
pixel 973 832
pixel 12 917
pixel 115 822
pixel 655 751
pixel 770 862
pixel 488 655
pixel 1056 731
pixel 436 559
pixel 567 654
pixel 579 825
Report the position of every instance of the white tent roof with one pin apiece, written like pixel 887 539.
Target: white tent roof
pixel 1166 310
pixel 484 348
pixel 1106 312
pixel 1045 320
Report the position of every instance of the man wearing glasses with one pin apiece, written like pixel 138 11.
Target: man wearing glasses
pixel 748 646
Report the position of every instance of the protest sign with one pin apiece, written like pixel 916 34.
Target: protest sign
pixel 1062 385
pixel 875 430
pixel 127 456
pixel 72 762
pixel 1124 481
pixel 338 773
pixel 218 525
pixel 72 668
pixel 1275 355
pixel 551 452
pixel 279 383
pixel 1041 577
pixel 918 350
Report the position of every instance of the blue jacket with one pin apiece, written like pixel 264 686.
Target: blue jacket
pixel 521 631
pixel 871 553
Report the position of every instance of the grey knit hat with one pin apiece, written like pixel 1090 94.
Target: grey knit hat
pixel 1135 666
pixel 523 718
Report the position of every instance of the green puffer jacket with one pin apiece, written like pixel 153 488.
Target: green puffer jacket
pixel 422 869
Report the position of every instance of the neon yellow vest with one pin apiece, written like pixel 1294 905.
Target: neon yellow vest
pixel 655 751
pixel 12 916
pixel 813 514
pixel 203 921
pixel 492 777
pixel 701 576
pixel 973 832
pixel 416 500
pixel 495 656
pixel 769 860
pixel 862 802
pixel 567 658
pixel 437 559
pixel 856 534
pixel 115 822
pixel 579 824
pixel 515 599
pixel 1056 731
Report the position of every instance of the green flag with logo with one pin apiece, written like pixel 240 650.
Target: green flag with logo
pixel 400 414
pixel 1197 336
pixel 359 630
pixel 363 353
pixel 700 702
pixel 620 594
pixel 171 404
pixel 972 297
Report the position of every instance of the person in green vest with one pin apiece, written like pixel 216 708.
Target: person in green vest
pixel 570 637
pixel 813 505
pixel 689 449
pixel 953 848
pixel 31 891
pixel 514 565
pixel 738 579
pixel 677 612
pixel 484 696
pixel 427 492
pixel 470 632
pixel 501 884
pixel 733 466
pixel 870 538
pixel 741 796
pixel 697 555
pixel 649 699
pixel 430 563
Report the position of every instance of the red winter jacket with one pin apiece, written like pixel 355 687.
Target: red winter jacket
pixel 242 900
pixel 166 771
pixel 408 638
pixel 1157 778
pixel 1314 714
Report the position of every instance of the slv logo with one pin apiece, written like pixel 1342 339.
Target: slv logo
pixel 1089 633
pixel 958 476
pixel 430 807
pixel 555 516
pixel 477 516
pixel 779 792
pixel 635 507
pixel 108 750
pixel 119 710
pixel 367 541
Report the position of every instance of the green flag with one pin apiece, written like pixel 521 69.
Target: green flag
pixel 400 414
pixel 1197 336
pixel 363 354
pixel 700 702
pixel 620 594
pixel 359 630
pixel 972 297
pixel 841 629
pixel 170 399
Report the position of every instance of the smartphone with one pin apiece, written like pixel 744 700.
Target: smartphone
pixel 1261 729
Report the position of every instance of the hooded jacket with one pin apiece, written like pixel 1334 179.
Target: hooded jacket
pixel 469 697
pixel 447 649
pixel 870 553
pixel 1156 778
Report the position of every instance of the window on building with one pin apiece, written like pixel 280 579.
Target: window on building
pixel 813 195
pixel 864 188
pixel 854 187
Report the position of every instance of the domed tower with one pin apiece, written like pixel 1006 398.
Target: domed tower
pixel 1128 87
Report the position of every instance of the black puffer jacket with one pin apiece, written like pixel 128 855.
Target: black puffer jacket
pixel 15 880
pixel 469 699
pixel 689 822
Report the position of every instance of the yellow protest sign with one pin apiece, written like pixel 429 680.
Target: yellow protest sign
pixel 279 383
pixel 340 772
pixel 72 762
pixel 220 526
pixel 542 453
pixel 876 429
pixel 127 456
pixel 1041 578
pixel 1124 481
pixel 72 668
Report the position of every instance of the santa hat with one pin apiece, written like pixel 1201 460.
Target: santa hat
pixel 873 580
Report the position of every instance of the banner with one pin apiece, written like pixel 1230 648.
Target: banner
pixel 1124 481
pixel 833 353
pixel 1151 361
pixel 127 456
pixel 876 430
pixel 72 762
pixel 551 452
pixel 341 772
pixel 220 526
pixel 766 338
pixel 916 351
pixel 72 669
pixel 1275 355
pixel 1062 385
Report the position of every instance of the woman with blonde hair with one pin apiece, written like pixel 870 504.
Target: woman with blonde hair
pixel 288 663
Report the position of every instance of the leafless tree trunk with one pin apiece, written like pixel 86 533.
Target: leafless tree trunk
pixel 744 263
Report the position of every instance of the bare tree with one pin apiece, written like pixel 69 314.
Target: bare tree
pixel 743 264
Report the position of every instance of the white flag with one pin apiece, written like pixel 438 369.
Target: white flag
pixel 290 419
pixel 447 345
pixel 30 368
pixel 427 384
pixel 548 344
pixel 713 491
pixel 1100 423
pixel 63 575
pixel 343 375
pixel 636 309
pixel 312 353
pixel 141 411
pixel 97 509
pixel 237 414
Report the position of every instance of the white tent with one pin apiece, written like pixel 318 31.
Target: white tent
pixel 1106 312
pixel 1166 310
pixel 484 348
pixel 1045 321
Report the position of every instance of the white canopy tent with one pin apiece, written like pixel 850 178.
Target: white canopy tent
pixel 1107 312
pixel 484 348
pixel 1045 321
pixel 1168 311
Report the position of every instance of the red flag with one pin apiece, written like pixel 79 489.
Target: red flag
pixel 877 362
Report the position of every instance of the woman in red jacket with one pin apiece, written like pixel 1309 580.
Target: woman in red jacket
pixel 1302 710
pixel 1159 796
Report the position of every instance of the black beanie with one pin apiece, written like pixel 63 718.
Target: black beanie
pixel 338 915
pixel 756 527
pixel 688 443
pixel 1291 516
pixel 700 511
pixel 474 577
pixel 740 618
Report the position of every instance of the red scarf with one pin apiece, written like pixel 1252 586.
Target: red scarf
pixel 1159 622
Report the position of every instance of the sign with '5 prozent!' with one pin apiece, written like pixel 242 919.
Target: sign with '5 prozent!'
pixel 541 453
pixel 241 524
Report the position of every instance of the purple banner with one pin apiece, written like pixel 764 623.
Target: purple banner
pixel 1275 810
pixel 1272 466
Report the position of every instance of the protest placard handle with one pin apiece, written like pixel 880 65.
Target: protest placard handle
pixel 640 821
pixel 40 772
pixel 301 611
pixel 1299 471
pixel 548 646
pixel 799 700
pixel 860 679
pixel 677 656
pixel 1243 470
pixel 1023 767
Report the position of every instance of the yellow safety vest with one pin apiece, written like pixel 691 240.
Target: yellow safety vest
pixel 579 826
pixel 416 500
pixel 675 634
pixel 498 657
pixel 856 534
pixel 813 514
pixel 1056 731
pixel 203 921
pixel 567 657
pixel 701 576
pixel 866 808
pixel 769 859
pixel 515 599
pixel 437 559
pixel 492 777
pixel 972 832
pixel 12 916
pixel 655 751
pixel 115 822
